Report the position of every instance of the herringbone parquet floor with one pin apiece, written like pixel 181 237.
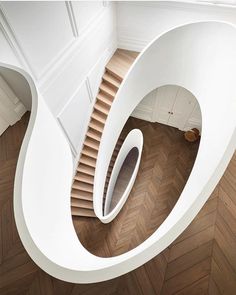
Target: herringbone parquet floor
pixel 166 163
pixel 183 268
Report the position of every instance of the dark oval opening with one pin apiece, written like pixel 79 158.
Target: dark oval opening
pixel 123 178
pixel 166 164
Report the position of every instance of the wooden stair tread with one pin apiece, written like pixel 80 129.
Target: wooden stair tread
pixel 82 186
pixel 94 144
pixel 86 169
pixel 81 203
pixel 120 63
pixel 88 161
pixel 94 134
pixel 104 98
pixel 89 152
pixel 99 117
pixel 82 195
pixel 82 212
pixel 107 89
pixel 112 80
pixel 84 177
pixel 128 56
pixel 96 125
pixel 117 69
pixel 101 107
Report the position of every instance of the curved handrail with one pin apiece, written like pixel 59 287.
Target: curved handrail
pixel 133 140
pixel 184 56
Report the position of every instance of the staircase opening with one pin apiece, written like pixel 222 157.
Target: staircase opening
pixel 122 180
pixel 123 174
pixel 166 163
pixel 82 188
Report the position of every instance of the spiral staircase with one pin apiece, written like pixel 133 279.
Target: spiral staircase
pixel 82 187
pixel 200 57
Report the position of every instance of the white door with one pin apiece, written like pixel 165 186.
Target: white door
pixel 182 108
pixel 165 96
pixel 195 119
pixel 11 108
pixel 174 106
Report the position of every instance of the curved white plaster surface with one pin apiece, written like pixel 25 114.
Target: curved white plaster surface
pixel 133 140
pixel 200 57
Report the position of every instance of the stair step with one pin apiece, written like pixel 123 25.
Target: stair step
pixel 77 194
pixel 108 90
pixel 82 212
pixel 110 79
pixel 84 177
pixel 89 152
pixel 94 144
pixel 101 107
pixel 86 169
pixel 88 161
pixel 116 152
pixel 101 118
pixel 104 98
pixel 127 55
pixel 94 134
pixel 113 158
pixel 110 169
pixel 81 203
pixel 96 125
pixel 109 172
pixel 117 74
pixel 82 186
pixel 120 63
pixel 117 68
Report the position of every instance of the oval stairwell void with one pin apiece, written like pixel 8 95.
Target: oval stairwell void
pixel 123 174
pixel 200 57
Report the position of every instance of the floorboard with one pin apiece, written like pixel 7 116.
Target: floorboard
pixel 191 265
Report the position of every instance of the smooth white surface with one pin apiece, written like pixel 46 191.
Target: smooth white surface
pixel 133 139
pixel 11 108
pixel 59 63
pixel 76 115
pixel 6 53
pixel 18 85
pixel 139 22
pixel 41 37
pixel 96 73
pixel 36 24
pixel 45 167
pixel 85 12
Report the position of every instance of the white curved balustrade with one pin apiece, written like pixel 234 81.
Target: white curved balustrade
pixel 200 57
pixel 133 140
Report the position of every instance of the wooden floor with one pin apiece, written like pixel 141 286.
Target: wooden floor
pixel 166 163
pixel 201 261
pixel 223 264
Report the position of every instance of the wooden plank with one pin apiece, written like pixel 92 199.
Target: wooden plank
pixel 188 260
pixel 188 277
pixel 191 243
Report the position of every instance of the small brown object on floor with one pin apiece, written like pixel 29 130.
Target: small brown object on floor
pixel 192 135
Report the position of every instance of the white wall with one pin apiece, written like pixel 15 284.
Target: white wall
pixel 11 107
pixel 19 86
pixel 64 46
pixel 138 23
pixel 170 105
